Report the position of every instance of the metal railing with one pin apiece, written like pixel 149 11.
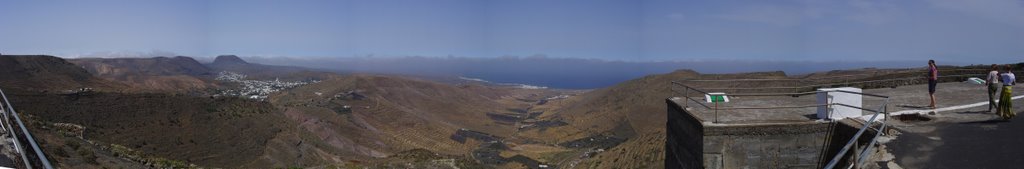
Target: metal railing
pixel 863 153
pixel 814 83
pixel 7 115
pixel 687 88
pixel 846 78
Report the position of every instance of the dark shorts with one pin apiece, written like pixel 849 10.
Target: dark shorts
pixel 931 86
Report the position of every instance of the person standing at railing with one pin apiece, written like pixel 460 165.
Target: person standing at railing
pixel 933 79
pixel 1005 109
pixel 992 81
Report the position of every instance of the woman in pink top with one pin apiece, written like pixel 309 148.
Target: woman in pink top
pixel 933 79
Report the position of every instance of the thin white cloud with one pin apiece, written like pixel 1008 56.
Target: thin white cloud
pixel 125 54
pixel 873 11
pixel 1005 11
pixel 814 9
pixel 676 16
pixel 774 15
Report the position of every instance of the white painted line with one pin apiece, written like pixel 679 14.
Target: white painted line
pixel 923 111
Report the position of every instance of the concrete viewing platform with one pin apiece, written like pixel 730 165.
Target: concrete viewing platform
pixel 753 139
pixel 950 97
pixel 793 136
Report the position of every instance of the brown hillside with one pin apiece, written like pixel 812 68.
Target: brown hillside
pixel 638 103
pixel 157 66
pixel 222 132
pixel 42 72
pixel 155 74
pixel 392 114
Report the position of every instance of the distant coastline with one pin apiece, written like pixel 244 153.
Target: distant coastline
pixel 566 73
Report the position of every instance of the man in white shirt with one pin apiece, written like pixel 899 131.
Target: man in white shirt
pixel 992 81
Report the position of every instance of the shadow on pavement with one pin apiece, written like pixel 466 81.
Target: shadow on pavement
pixel 974 112
pixel 914 106
pixel 979 144
pixel 992 121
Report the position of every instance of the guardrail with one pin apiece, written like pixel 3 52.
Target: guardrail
pixel 815 84
pixel 861 156
pixel 922 72
pixel 7 115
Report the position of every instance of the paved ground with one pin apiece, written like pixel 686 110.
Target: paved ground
pixel 983 144
pixel 969 137
pixel 763 115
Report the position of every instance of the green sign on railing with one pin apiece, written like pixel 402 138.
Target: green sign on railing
pixel 716 98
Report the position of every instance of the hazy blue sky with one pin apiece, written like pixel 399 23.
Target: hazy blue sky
pixel 968 31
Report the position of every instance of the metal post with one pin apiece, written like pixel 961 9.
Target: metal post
pixel 828 106
pixel 4 114
pixel 716 111
pixel 686 94
pixel 856 147
pixel 885 110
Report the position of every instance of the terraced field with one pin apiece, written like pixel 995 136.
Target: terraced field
pixel 391 115
pixel 644 151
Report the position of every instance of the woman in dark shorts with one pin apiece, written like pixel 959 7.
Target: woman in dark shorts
pixel 933 79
